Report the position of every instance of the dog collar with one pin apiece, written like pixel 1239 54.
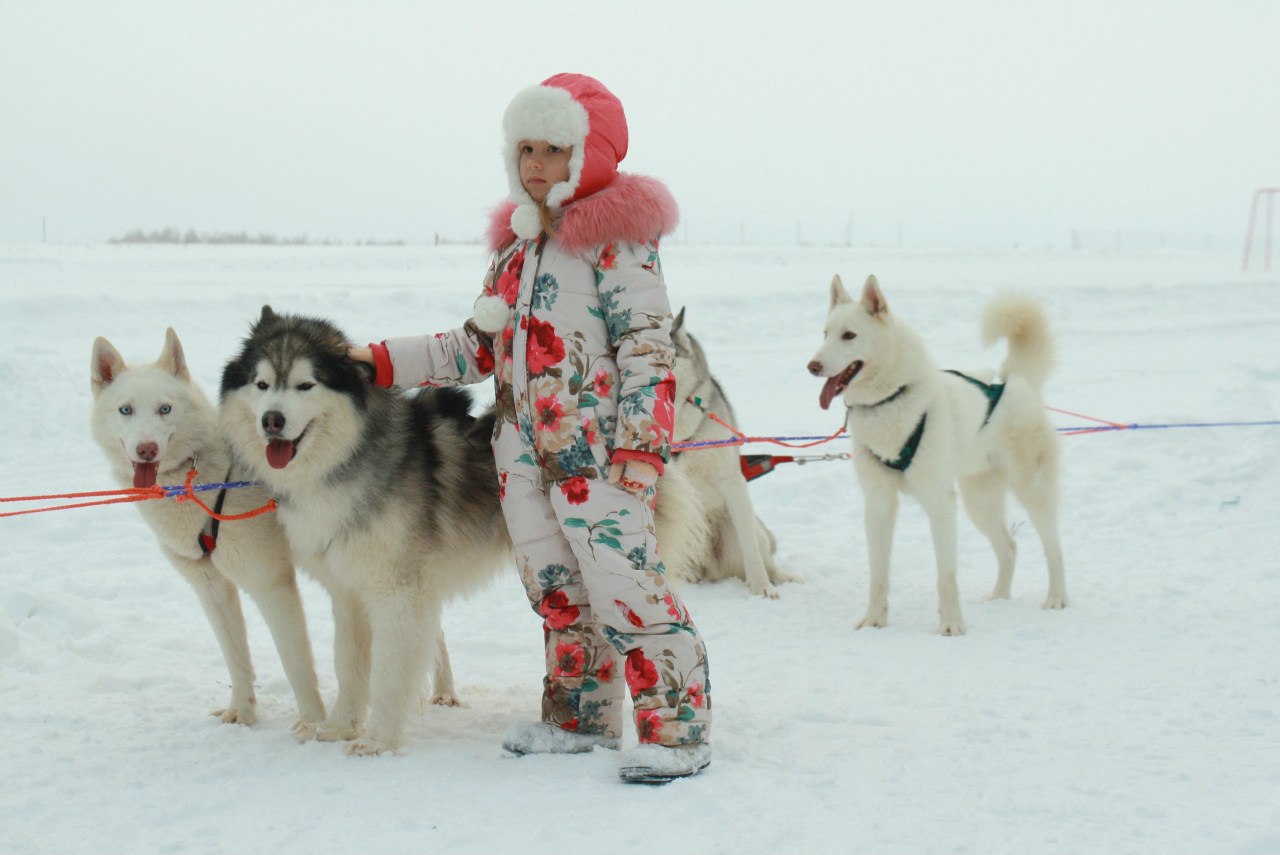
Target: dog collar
pixel 902 390
pixel 698 404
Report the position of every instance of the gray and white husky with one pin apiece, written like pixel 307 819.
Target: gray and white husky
pixel 390 501
pixel 920 431
pixel 737 543
pixel 154 423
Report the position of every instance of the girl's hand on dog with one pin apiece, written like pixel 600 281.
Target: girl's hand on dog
pixel 360 354
pixel 634 476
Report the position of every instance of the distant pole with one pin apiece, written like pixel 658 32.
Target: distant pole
pixel 1271 199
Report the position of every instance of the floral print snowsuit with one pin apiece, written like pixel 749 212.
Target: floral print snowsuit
pixel 584 378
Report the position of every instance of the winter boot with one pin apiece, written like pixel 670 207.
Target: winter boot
pixel 659 764
pixel 543 737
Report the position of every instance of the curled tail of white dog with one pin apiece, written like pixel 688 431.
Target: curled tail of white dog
pixel 1023 322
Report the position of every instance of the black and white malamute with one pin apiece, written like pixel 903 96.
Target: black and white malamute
pixel 389 500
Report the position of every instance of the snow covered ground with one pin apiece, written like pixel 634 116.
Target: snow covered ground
pixel 1144 718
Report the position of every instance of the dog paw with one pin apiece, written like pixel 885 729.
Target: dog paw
pixel 446 700
pixel 368 747
pixel 782 577
pixel 1055 601
pixel 768 592
pixel 873 621
pixel 236 715
pixel 955 627
pixel 337 732
pixel 304 730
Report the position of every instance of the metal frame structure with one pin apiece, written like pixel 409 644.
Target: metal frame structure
pixel 1270 194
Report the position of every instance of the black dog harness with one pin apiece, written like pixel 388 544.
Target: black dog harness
pixel 208 536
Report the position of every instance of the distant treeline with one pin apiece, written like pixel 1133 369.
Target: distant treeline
pixel 172 235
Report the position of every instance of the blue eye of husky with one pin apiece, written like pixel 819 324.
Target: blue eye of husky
pixel 165 409
pixel 126 410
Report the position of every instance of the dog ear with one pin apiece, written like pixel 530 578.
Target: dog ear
pixel 838 294
pixel 366 370
pixel 172 358
pixel 873 298
pixel 104 366
pixel 265 317
pixel 678 323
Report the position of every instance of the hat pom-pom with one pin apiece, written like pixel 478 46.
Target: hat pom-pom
pixel 491 314
pixel 526 222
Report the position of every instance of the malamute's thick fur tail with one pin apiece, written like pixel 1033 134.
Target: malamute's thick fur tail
pixel 1023 322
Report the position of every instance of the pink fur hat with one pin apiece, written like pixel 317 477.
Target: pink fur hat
pixel 565 110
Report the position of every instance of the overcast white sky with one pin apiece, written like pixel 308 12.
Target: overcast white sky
pixel 976 123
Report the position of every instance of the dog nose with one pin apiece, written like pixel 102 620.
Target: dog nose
pixel 148 451
pixel 815 368
pixel 273 422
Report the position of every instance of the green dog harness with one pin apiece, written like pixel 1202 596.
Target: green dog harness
pixel 993 391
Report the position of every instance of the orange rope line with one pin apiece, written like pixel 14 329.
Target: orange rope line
pixel 190 495
pixel 119 499
pixel 743 438
pixel 1088 418
pixel 133 494
pixel 154 492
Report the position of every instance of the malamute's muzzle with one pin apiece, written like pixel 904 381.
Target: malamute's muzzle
pixel 280 451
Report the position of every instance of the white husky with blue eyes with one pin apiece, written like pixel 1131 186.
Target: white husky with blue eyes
pixel 921 431
pixel 154 424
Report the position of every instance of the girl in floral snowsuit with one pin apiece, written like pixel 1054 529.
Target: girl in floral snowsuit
pixel 574 325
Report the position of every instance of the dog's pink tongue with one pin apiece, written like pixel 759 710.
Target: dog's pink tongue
pixel 279 453
pixel 829 390
pixel 144 474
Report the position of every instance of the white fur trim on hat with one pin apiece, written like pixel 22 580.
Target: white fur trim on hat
pixel 491 314
pixel 526 222
pixel 544 113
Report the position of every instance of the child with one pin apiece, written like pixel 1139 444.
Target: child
pixel 574 325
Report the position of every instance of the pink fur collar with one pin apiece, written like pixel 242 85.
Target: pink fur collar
pixel 632 208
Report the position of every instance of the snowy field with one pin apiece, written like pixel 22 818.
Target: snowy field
pixel 1145 718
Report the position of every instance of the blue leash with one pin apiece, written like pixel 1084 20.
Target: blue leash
pixel 181 489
